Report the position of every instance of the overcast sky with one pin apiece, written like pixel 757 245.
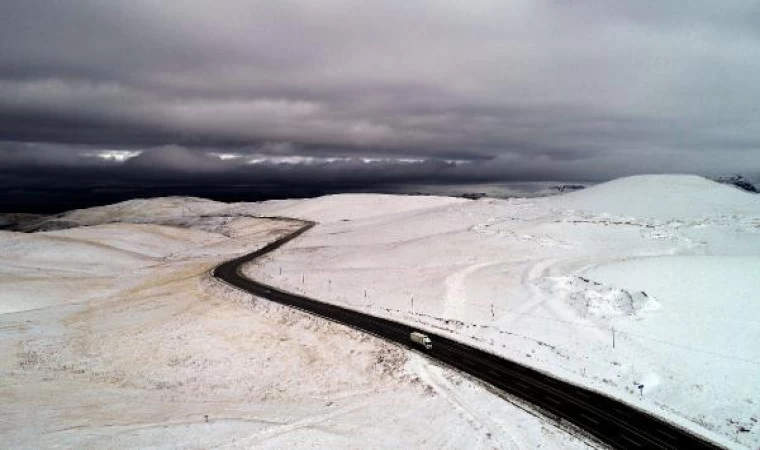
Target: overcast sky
pixel 379 91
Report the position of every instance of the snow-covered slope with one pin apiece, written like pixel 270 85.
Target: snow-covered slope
pixel 662 197
pixel 114 336
pixel 649 280
pixel 342 207
pixel 152 209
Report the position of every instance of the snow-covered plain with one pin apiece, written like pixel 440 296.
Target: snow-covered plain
pixel 113 335
pixel 646 288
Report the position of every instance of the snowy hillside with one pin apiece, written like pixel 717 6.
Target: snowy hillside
pixel 648 281
pixel 335 208
pixel 662 197
pixel 115 336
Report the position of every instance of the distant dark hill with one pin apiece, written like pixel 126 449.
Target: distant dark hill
pixel 740 182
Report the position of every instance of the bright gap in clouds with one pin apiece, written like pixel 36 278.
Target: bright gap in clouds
pixel 113 155
pixel 120 156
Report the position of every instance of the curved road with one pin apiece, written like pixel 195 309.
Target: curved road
pixel 610 421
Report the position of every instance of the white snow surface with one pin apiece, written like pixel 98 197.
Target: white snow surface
pixel 344 207
pixel 647 280
pixel 114 335
pixel 667 198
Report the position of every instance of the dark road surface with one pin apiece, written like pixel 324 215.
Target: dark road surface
pixel 610 421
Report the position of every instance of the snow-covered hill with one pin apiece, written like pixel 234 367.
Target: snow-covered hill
pixel 113 335
pixel 344 207
pixel 662 197
pixel 645 281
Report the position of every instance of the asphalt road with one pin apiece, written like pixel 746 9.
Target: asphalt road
pixel 610 421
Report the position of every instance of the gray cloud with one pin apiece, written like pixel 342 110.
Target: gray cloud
pixel 521 89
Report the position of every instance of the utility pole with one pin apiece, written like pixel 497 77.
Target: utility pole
pixel 492 314
pixel 613 337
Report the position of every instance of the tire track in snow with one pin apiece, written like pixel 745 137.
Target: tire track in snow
pixel 456 303
pixel 432 377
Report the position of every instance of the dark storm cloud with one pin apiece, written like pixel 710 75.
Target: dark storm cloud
pixel 519 89
pixel 171 164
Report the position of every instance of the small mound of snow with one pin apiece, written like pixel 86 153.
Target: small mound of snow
pixel 661 197
pixel 590 298
pixel 700 287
